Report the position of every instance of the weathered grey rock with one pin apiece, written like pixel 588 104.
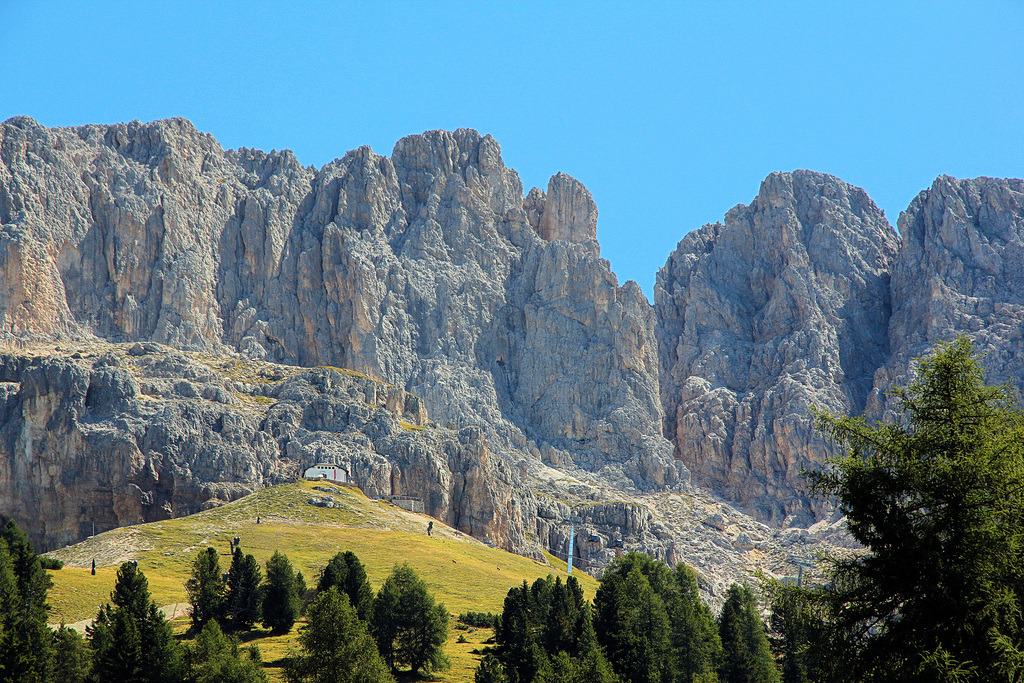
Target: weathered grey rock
pixel 422 270
pixel 427 284
pixel 783 307
pixel 960 271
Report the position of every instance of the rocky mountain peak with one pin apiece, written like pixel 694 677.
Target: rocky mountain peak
pixel 781 307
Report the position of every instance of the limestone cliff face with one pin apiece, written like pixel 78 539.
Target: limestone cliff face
pixel 422 270
pixel 960 270
pixel 123 435
pixel 427 270
pixel 783 307
pixel 806 298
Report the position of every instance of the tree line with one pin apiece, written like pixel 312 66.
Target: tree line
pixel 351 633
pixel 647 624
pixel 935 497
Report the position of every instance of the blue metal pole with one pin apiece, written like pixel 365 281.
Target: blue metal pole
pixel 572 531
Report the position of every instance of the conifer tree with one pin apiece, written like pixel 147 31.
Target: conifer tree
pixel 521 656
pixel 345 571
pixel 206 588
pixel 632 623
pixel 281 597
pixel 26 643
pixel 935 497
pixel 72 658
pixel 409 627
pixel 244 596
pixel 336 647
pixel 215 658
pixel 695 635
pixel 131 640
pixel 747 657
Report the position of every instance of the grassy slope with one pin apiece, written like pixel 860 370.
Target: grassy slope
pixel 463 573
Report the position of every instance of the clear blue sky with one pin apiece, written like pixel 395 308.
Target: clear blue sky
pixel 669 113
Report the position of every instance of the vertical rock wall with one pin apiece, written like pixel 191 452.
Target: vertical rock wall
pixel 781 308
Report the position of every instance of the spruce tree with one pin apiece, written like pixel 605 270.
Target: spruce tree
pixel 517 638
pixel 345 571
pixel 935 497
pixel 747 657
pixel 131 640
pixel 72 657
pixel 694 631
pixel 632 623
pixel 281 598
pixel 796 630
pixel 215 658
pixel 206 588
pixel 26 643
pixel 409 627
pixel 336 647
pixel 244 596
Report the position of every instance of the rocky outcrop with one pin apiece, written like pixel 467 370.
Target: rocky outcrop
pixel 960 271
pixel 423 270
pixel 805 299
pixel 782 308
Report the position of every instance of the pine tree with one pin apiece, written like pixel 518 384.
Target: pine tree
pixel 25 646
pixel 935 497
pixel 131 640
pixel 409 627
pixel 206 588
pixel 72 658
pixel 281 599
pixel 517 637
pixel 694 631
pixel 345 571
pixel 796 629
pixel 336 647
pixel 747 657
pixel 215 658
pixel 244 596
pixel 632 623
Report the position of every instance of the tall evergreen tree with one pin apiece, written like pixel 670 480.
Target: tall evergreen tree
pixel 244 596
pixel 345 571
pixel 517 637
pixel 747 657
pixel 694 631
pixel 796 627
pixel 633 625
pixel 336 647
pixel 206 588
pixel 131 640
pixel 935 497
pixel 409 627
pixel 26 642
pixel 215 658
pixel 281 598
pixel 72 658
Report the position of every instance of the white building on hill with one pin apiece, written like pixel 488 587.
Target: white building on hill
pixel 325 472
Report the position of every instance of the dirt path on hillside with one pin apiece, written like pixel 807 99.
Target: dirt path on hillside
pixel 171 611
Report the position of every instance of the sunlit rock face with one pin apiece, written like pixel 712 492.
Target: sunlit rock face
pixel 960 271
pixel 428 270
pixel 782 307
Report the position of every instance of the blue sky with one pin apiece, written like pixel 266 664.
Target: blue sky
pixel 669 113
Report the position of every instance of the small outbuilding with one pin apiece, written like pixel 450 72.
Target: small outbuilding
pixel 326 472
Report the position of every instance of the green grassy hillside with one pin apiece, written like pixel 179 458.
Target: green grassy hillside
pixel 463 573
